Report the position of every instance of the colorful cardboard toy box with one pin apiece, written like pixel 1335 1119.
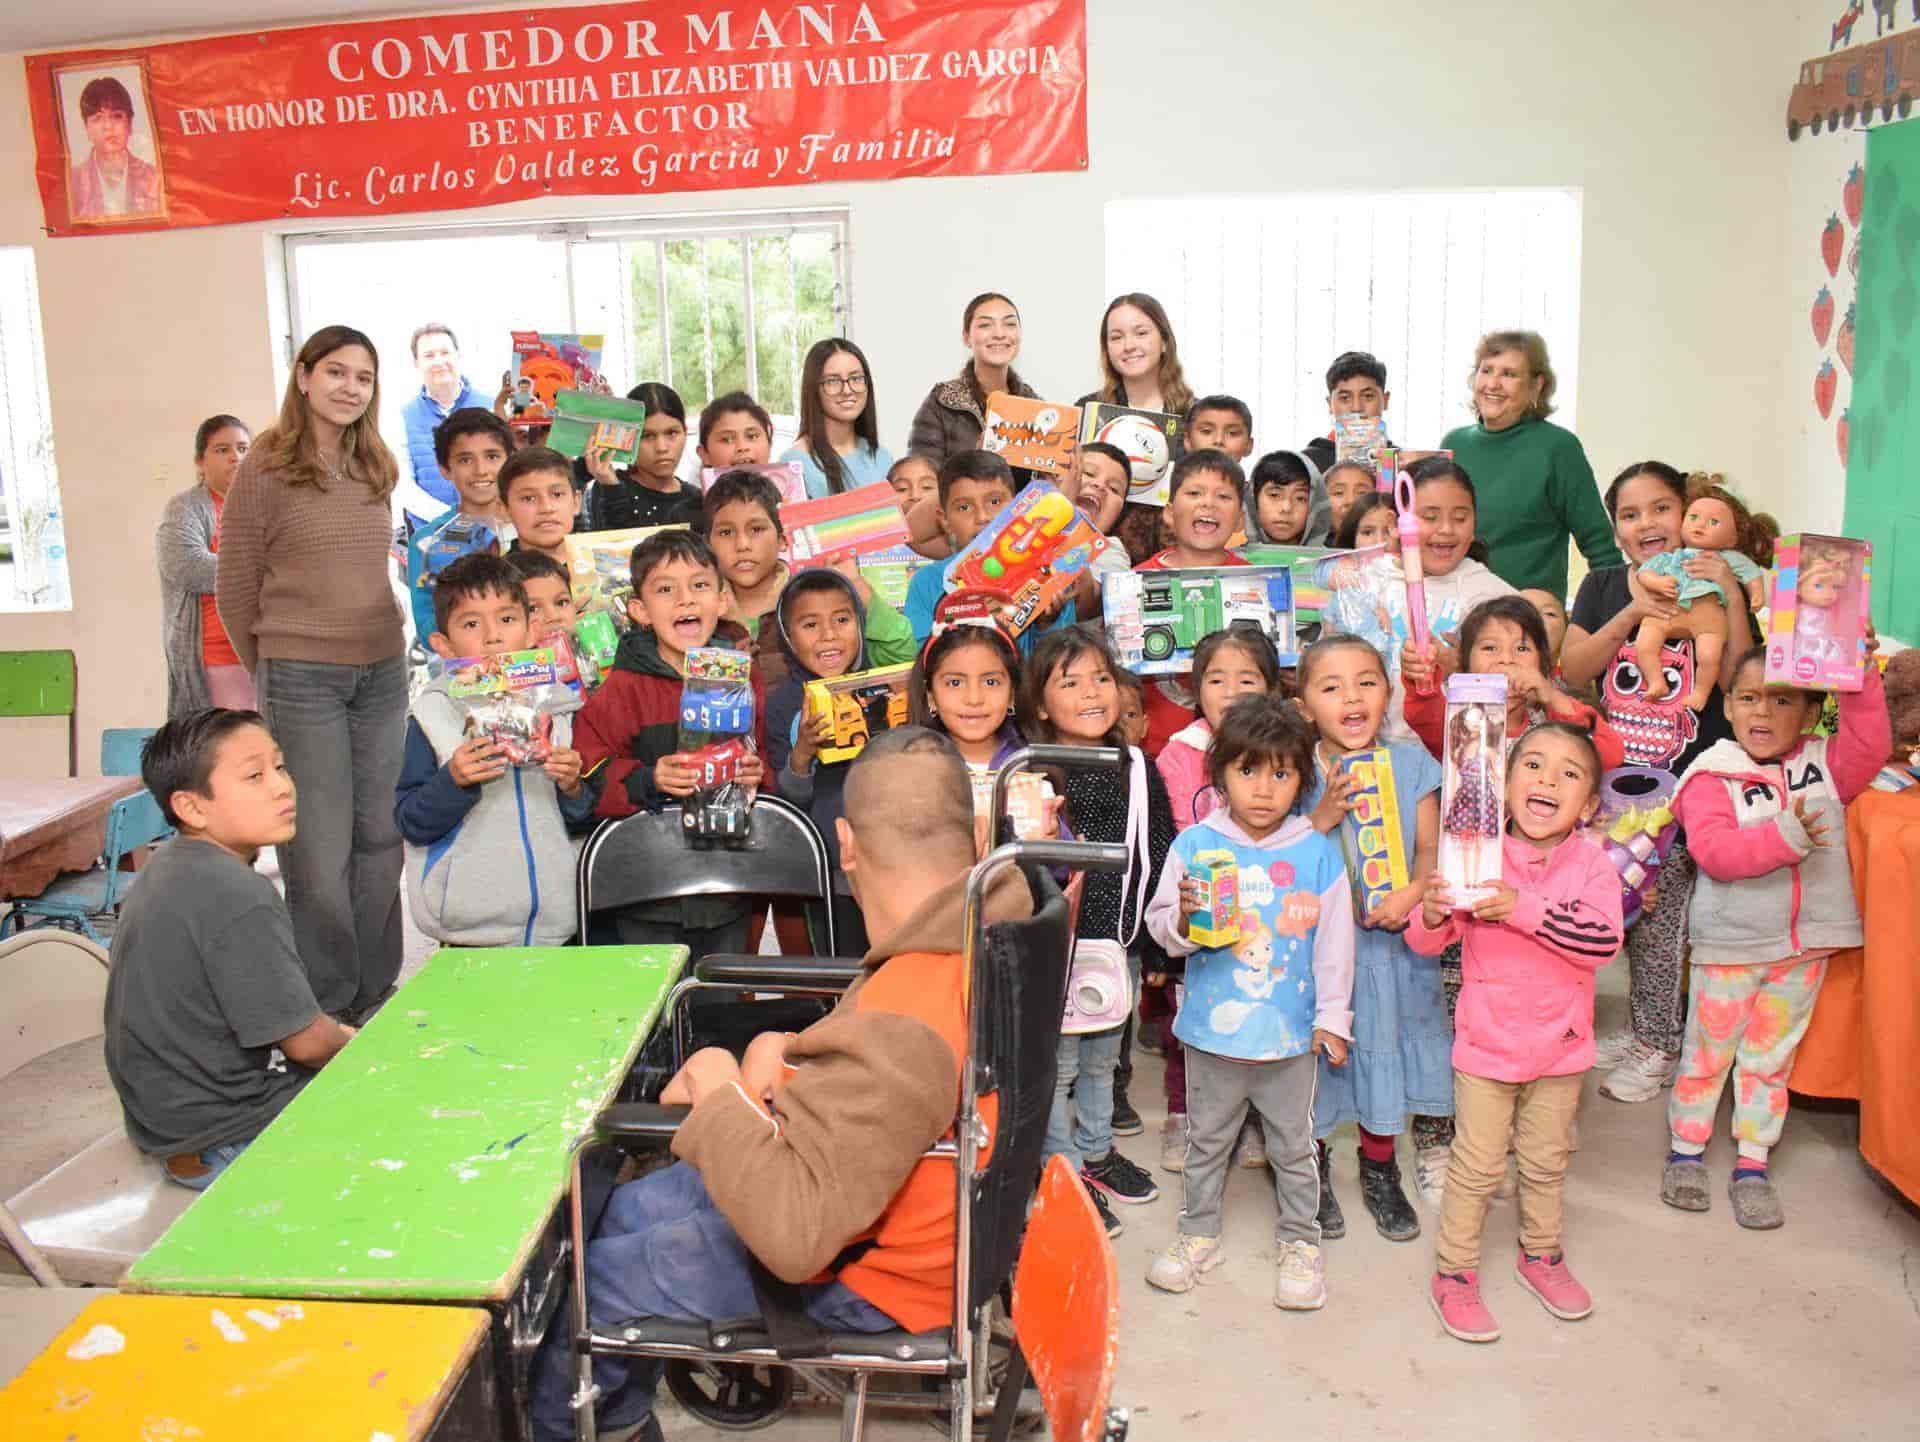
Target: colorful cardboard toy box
pixel 1217 922
pixel 1032 553
pixel 1822 608
pixel 1378 863
pixel 836 528
pixel 1030 435
pixel 1150 440
pixel 1155 618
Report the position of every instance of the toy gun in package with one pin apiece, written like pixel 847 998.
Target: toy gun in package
pixel 862 704
pixel 716 736
pixel 1032 553
pixel 511 700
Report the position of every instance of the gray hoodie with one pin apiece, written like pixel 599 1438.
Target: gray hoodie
pixel 1319 530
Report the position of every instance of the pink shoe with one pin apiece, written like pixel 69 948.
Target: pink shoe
pixel 1456 1297
pixel 1548 1279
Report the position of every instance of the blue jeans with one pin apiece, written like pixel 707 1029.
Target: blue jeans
pixel 663 1250
pixel 216 1160
pixel 1080 1127
pixel 343 730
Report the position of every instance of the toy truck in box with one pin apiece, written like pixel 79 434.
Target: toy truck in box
pixel 862 705
pixel 1156 618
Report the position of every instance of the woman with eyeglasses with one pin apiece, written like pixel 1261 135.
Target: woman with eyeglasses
pixel 839 443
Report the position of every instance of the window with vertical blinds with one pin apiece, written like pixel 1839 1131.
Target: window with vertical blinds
pixel 1264 291
pixel 33 548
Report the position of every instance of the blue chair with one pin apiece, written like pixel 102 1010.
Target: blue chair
pixel 73 901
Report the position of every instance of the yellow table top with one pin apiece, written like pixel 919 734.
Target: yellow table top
pixel 225 1370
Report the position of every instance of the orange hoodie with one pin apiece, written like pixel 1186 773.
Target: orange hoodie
pixel 839 1160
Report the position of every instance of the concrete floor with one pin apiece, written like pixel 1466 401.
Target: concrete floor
pixel 1700 1330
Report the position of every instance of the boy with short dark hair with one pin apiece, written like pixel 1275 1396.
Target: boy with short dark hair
pixel 735 430
pixel 543 511
pixel 1220 423
pixel 549 589
pixel 1356 386
pixel 206 982
pixel 471 446
pixel 1286 502
pixel 488 859
pixel 628 732
pixel 741 521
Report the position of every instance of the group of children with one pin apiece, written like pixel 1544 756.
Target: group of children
pixel 1468 1026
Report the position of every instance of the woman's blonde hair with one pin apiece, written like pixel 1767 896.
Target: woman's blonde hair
pixel 1175 394
pixel 287 448
pixel 1533 346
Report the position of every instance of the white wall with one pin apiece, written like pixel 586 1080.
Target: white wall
pixel 1668 118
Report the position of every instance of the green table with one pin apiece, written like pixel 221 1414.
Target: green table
pixel 426 1161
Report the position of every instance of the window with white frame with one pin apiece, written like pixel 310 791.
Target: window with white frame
pixel 707 303
pixel 33 550
pixel 1264 291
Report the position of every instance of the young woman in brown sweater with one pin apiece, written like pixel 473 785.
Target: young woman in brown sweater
pixel 304 594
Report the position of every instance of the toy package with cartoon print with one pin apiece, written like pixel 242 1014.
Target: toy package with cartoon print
pixel 600 567
pixel 1031 435
pixel 1822 608
pixel 1366 596
pixel 511 700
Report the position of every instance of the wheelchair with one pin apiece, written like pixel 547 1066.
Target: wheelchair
pixel 739 1373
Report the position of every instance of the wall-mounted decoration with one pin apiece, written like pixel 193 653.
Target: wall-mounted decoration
pixel 1865 84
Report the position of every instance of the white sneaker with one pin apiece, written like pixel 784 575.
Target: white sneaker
pixel 1181 1265
pixel 1300 1280
pixel 1173 1144
pixel 1641 1076
pixel 1610 1051
pixel 1430 1173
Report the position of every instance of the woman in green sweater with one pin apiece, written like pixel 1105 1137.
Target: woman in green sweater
pixel 1535 486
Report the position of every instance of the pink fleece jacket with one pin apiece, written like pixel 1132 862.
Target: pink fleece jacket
pixel 1526 1000
pixel 1183 767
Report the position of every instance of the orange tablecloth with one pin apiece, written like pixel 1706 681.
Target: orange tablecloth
pixel 1864 1042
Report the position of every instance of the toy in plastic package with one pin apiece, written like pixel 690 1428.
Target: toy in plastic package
pixel 595 643
pixel 600 567
pixel 862 704
pixel 1030 435
pixel 1155 618
pixel 1817 626
pixel 1366 596
pixel 571 663
pixel 1150 440
pixel 461 536
pixel 716 736
pixel 511 699
pixel 1473 802
pixel 1635 826
pixel 1357 437
pixel 1032 553
pixel 1377 846
pixel 1217 922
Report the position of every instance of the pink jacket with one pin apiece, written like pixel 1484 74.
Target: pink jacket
pixel 1526 1002
pixel 1183 767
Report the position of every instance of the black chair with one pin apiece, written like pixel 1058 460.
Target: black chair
pixel 1017 977
pixel 646 857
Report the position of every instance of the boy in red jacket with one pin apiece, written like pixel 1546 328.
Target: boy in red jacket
pixel 830 1190
pixel 628 732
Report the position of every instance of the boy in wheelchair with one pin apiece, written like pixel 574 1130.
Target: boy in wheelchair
pixel 811 1157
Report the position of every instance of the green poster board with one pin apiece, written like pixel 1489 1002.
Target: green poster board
pixel 1883 494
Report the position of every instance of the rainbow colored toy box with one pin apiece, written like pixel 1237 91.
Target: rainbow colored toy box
pixel 1822 607
pixel 1033 552
pixel 1378 861
pixel 834 528
pixel 1217 922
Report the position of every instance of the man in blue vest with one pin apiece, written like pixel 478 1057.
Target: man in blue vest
pixel 443 390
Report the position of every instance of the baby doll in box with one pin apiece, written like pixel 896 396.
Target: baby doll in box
pixel 1715 523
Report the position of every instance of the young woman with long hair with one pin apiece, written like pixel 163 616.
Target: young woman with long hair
pixel 839 443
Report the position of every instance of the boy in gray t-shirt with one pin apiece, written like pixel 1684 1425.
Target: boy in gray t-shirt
pixel 206 980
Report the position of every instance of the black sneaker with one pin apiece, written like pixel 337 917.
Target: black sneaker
pixel 1392 1213
pixel 1126 1121
pixel 1333 1221
pixel 1120 1179
pixel 1107 1218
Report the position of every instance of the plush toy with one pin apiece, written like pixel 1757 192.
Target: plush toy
pixel 1902 681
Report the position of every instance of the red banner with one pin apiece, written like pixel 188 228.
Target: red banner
pixel 456 111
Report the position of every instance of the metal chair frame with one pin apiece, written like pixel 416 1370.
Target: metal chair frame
pixel 963 1367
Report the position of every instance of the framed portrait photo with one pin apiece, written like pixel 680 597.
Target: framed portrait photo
pixel 111 153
